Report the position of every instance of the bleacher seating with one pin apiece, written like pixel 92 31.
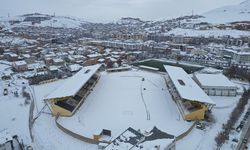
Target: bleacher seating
pixel 72 102
pixel 77 98
pixel 65 105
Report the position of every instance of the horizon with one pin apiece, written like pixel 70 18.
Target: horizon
pixel 103 11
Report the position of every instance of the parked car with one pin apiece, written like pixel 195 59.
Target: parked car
pixel 5 92
pixel 244 141
pixel 235 140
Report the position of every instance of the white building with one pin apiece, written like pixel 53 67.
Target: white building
pixel 216 84
pixel 238 56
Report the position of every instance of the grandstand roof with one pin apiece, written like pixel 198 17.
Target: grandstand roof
pixel 186 86
pixel 72 85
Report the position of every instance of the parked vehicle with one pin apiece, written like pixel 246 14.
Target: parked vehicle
pixel 235 140
pixel 5 92
pixel 244 141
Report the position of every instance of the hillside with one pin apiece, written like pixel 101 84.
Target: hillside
pixel 226 14
pixel 42 20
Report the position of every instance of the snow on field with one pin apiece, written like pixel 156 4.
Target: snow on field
pixel 122 100
pixel 46 135
pixel 41 91
pixel 14 113
pixel 208 33
pixel 204 139
pixel 14 118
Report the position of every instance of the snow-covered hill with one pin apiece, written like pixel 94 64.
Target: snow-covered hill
pixel 130 21
pixel 226 14
pixel 42 20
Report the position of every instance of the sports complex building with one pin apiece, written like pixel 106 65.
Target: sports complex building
pixel 68 97
pixel 138 106
pixel 191 100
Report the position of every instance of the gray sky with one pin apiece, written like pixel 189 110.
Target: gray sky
pixel 109 10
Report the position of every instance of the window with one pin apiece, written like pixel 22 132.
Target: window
pixel 181 82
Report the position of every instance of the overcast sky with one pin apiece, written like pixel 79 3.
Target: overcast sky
pixel 110 10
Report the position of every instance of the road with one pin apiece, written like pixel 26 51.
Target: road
pixel 244 135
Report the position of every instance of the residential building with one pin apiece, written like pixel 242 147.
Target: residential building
pixel 20 66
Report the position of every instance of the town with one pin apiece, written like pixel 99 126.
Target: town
pixel 181 83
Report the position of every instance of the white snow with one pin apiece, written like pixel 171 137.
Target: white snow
pixel 14 113
pixel 54 21
pixel 115 103
pixel 121 100
pixel 21 62
pixel 226 14
pixel 204 139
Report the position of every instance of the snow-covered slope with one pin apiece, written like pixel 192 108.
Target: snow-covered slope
pixel 42 20
pixel 129 21
pixel 226 14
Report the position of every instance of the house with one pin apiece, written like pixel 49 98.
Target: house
pixel 236 55
pixel 58 61
pixel 20 66
pixel 178 39
pixel 37 66
pixel 53 70
pixel 11 56
pixel 76 58
pixel 242 57
pixel 216 84
pixel 74 67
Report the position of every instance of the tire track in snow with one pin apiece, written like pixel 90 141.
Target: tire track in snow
pixel 145 105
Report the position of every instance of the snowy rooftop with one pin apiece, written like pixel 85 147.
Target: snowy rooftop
pixel 214 80
pixel 19 63
pixel 74 83
pixel 127 140
pixel 149 68
pixel 210 70
pixel 74 67
pixel 186 86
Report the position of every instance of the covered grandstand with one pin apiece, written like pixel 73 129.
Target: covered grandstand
pixel 65 100
pixel 191 100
